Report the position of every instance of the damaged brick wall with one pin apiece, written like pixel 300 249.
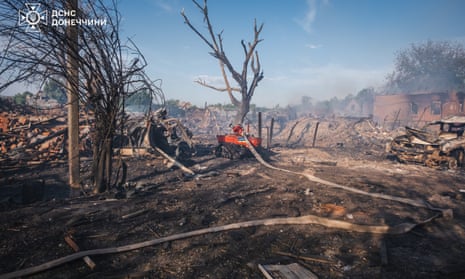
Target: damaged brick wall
pixel 416 109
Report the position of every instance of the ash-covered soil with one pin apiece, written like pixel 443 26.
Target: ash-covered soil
pixel 159 201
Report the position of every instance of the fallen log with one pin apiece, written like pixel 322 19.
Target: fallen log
pixel 302 220
pixel 40 141
pixel 40 123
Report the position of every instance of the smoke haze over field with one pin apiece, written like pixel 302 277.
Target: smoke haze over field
pixel 316 48
pixel 328 82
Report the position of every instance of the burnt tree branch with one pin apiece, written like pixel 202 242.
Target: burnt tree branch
pixel 110 69
pixel 251 59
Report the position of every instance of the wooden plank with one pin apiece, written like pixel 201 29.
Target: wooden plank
pixel 90 263
pixel 290 271
pixel 133 151
pixel 265 272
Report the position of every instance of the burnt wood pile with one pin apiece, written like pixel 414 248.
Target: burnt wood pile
pixel 30 139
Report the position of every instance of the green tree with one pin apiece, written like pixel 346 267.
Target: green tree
pixel 429 66
pixel 54 90
pixel 141 100
pixel 20 98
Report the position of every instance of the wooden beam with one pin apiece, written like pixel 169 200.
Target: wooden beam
pixel 72 68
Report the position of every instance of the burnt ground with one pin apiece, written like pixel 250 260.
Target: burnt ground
pixel 159 202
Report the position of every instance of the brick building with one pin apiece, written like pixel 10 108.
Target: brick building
pixel 416 109
pixel 4 122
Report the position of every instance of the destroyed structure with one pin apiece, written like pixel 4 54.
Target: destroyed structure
pixel 36 132
pixel 37 135
pixel 312 156
pixel 442 146
pixel 416 109
pixel 157 131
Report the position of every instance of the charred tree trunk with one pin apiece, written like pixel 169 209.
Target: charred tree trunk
pixel 102 162
pixel 244 109
pixel 108 165
pixel 98 160
pixel 251 60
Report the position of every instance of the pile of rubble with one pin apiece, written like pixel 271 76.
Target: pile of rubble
pixel 341 132
pixel 208 121
pixel 32 139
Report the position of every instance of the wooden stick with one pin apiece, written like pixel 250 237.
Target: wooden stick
pixel 305 258
pixel 133 214
pixel 264 272
pixel 291 132
pixel 271 132
pixel 90 263
pixel 315 133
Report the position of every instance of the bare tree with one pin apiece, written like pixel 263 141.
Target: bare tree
pixel 110 70
pixel 251 59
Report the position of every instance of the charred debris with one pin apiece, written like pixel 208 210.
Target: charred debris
pixel 31 136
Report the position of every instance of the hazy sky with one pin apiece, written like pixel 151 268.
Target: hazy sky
pixel 317 48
